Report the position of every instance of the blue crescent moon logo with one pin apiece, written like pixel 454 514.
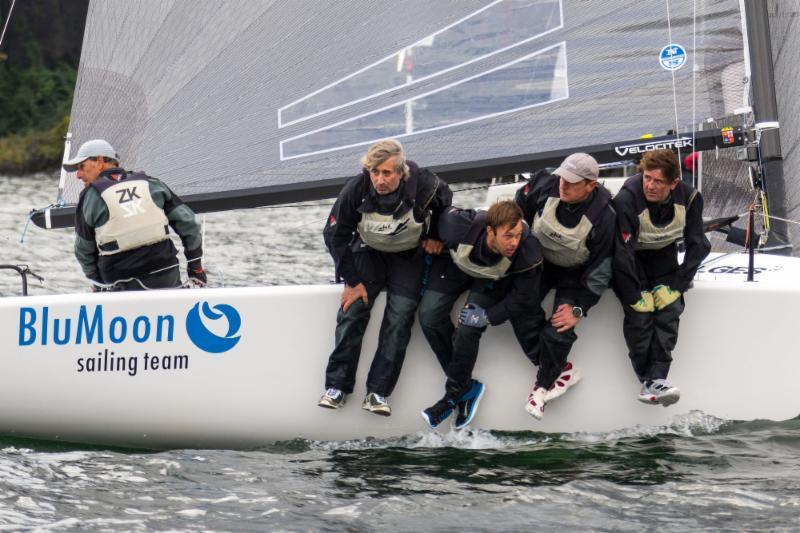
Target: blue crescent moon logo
pixel 205 339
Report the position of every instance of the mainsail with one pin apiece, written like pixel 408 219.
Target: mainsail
pixel 239 104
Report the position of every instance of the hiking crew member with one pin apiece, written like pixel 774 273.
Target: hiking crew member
pixel 494 255
pixel 573 221
pixel 379 229
pixel 655 210
pixel 122 225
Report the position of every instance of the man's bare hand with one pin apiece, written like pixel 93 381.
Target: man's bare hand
pixel 563 319
pixel 432 246
pixel 351 294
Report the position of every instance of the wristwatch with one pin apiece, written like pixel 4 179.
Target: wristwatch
pixel 577 311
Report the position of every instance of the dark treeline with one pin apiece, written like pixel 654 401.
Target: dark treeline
pixel 38 64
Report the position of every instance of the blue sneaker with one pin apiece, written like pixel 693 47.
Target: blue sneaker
pixel 438 412
pixel 468 404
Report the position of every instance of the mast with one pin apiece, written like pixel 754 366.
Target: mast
pixel 769 162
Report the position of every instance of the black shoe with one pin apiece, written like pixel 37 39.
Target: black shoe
pixel 468 404
pixel 438 412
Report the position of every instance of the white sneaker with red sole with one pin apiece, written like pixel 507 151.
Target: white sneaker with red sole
pixel 569 377
pixel 535 404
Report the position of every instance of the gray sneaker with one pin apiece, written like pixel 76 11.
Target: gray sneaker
pixel 332 399
pixel 659 391
pixel 375 403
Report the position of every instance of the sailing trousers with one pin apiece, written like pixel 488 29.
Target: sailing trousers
pixel 456 348
pixel 651 337
pixel 401 274
pixel 554 347
pixel 165 279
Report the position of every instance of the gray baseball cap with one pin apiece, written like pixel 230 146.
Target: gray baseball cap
pixel 93 148
pixel 578 167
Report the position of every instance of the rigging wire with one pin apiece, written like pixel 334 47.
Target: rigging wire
pixel 8 18
pixel 695 173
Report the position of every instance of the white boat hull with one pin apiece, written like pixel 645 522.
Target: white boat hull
pixel 736 359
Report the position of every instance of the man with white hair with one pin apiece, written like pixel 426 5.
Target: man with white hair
pixel 383 223
pixel 122 225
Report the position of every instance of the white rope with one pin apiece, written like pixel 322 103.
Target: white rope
pixel 8 18
pixel 773 217
pixel 674 90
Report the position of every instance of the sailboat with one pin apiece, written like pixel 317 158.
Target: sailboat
pixel 244 104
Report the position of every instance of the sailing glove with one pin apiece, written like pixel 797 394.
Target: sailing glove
pixel 194 266
pixel 473 315
pixel 645 303
pixel 196 273
pixel 664 295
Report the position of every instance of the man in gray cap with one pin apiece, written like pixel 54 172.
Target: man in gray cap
pixel 122 225
pixel 573 220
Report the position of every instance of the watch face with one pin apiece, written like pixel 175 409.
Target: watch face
pixel 577 311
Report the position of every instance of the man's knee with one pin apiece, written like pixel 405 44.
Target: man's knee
pixel 400 308
pixel 434 310
pixel 357 311
pixel 551 335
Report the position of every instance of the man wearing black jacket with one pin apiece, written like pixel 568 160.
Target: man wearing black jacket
pixel 382 224
pixel 122 225
pixel 494 255
pixel 655 210
pixel 573 220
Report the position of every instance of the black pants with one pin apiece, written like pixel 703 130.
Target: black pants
pixel 554 347
pixel 401 275
pixel 651 337
pixel 166 279
pixel 456 348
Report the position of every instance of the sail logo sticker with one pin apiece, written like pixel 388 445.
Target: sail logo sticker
pixel 672 57
pixel 640 148
pixel 203 337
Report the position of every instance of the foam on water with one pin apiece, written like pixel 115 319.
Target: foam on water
pixel 687 425
pixel 468 439
pixel 690 424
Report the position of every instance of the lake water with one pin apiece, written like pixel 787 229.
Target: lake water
pixel 697 473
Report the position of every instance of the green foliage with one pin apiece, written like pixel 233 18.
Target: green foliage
pixel 34 98
pixel 33 151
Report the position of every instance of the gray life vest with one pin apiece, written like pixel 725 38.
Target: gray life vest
pixel 399 231
pixel 651 236
pixel 563 246
pixel 461 254
pixel 386 233
pixel 134 220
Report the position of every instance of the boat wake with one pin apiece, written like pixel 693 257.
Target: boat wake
pixel 692 424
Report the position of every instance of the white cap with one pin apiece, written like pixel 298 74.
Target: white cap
pixel 578 167
pixel 93 148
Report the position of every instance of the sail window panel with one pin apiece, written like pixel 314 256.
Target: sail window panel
pixel 530 81
pixel 495 28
